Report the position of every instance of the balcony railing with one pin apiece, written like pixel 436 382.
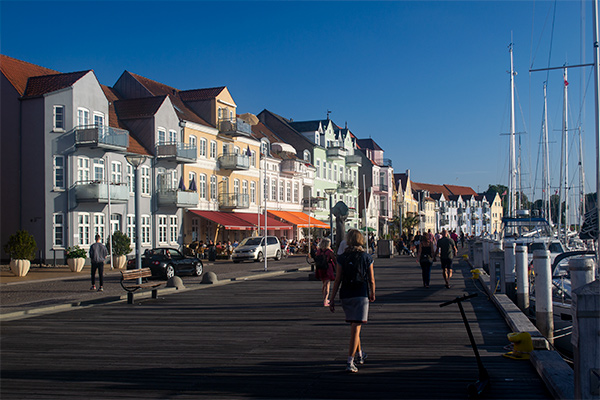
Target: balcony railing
pixel 177 151
pixel 354 160
pixel 313 203
pixel 234 161
pixel 336 152
pixel 382 187
pixel 345 186
pixel 101 136
pixel 293 167
pixel 234 200
pixel 386 162
pixel 177 198
pixel 97 192
pixel 234 126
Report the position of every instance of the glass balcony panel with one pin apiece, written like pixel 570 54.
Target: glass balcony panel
pixel 354 160
pixel 101 136
pixel 234 161
pixel 234 200
pixel 180 152
pixel 234 126
pixel 177 198
pixel 95 191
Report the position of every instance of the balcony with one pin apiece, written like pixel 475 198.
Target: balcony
pixel 337 152
pixel 97 192
pixel 345 186
pixel 234 161
pixel 100 136
pixel 234 127
pixel 176 151
pixel 177 198
pixel 293 167
pixel 234 200
pixel 386 162
pixel 354 160
pixel 381 188
pixel 312 203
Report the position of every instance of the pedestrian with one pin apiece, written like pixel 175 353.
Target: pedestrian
pixel 98 254
pixel 357 280
pixel 446 250
pixel 425 258
pixel 462 239
pixel 325 264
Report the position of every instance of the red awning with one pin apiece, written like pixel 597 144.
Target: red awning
pixel 227 220
pixel 272 223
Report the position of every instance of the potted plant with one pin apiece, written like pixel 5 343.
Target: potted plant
pixel 121 246
pixel 21 248
pixel 75 258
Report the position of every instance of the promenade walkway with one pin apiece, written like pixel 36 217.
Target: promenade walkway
pixel 266 338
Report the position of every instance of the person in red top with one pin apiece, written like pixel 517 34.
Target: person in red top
pixel 325 267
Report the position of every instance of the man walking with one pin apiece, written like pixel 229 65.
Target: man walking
pixel 446 250
pixel 98 254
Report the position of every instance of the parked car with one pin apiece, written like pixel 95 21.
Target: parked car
pixel 252 248
pixel 167 262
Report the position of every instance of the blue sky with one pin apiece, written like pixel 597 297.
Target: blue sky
pixel 427 81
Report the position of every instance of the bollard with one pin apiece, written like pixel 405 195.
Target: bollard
pixel 586 346
pixel 496 268
pixel 478 254
pixel 522 271
pixel 486 247
pixel 471 244
pixel 543 294
pixel 509 271
pixel 582 269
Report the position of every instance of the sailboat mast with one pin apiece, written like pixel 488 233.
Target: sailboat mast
pixel 564 161
pixel 597 115
pixel 546 160
pixel 512 168
pixel 581 182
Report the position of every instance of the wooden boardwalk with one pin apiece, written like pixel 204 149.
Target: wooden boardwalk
pixel 266 338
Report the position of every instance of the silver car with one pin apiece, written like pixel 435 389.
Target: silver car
pixel 253 248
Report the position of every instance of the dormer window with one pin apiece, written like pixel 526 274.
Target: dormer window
pixel 264 147
pixel 306 156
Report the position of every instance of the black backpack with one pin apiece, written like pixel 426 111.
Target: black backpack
pixel 353 272
pixel 321 261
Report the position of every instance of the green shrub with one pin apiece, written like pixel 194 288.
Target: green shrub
pixel 121 244
pixel 21 246
pixel 76 252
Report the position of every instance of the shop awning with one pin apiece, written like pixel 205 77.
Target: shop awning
pixel 227 220
pixel 272 223
pixel 299 219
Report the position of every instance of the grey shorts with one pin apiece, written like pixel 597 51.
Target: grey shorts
pixel 446 263
pixel 356 309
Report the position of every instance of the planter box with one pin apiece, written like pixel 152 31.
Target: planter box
pixel 120 262
pixel 76 264
pixel 20 267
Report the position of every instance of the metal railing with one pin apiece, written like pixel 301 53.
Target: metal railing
pixel 234 200
pixel 336 152
pixel 178 150
pixel 176 197
pixel 234 126
pixel 234 161
pixel 292 167
pixel 97 191
pixel 100 135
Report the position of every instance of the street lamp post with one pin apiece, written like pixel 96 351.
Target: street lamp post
pixel 330 192
pixel 136 160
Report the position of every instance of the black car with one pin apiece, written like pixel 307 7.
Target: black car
pixel 167 262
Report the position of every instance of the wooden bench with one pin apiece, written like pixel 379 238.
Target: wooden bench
pixel 129 280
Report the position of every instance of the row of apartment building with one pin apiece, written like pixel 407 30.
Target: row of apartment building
pixel 208 172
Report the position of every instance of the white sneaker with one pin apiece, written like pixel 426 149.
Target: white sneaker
pixel 350 367
pixel 360 359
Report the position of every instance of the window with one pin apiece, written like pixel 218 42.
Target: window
pixel 335 174
pixel 145 229
pixel 83 117
pixel 253 192
pixel 236 186
pixel 145 180
pixel 288 192
pixel 99 169
pixel 116 173
pixel 131 227
pixel 213 187
pixel 213 149
pixel 273 189
pixel 194 141
pixel 306 156
pixel 202 148
pixel 225 149
pixel 172 136
pixel 245 187
pixel 264 148
pixel 130 182
pixel 59 118
pixel 192 178
pixel 98 119
pixel 59 172
pixel 329 171
pixel 162 229
pixel 296 192
pixel 58 229
pixel 115 223
pixel 99 225
pixel 83 229
pixel 173 229
pixel 202 186
pixel 265 188
pixel 83 169
pixel 162 136
pixel 252 158
pixel 318 172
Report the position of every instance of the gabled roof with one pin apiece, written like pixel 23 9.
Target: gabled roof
pixel 306 126
pixel 18 72
pixel 462 190
pixel 287 132
pixel 138 108
pixel 403 178
pixel 431 188
pixel 368 144
pixel 201 94
pixel 40 85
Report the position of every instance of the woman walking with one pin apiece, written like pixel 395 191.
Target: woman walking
pixel 425 258
pixel 357 279
pixel 325 263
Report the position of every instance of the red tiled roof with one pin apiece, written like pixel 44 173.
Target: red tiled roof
pixel 461 190
pixel 40 85
pixel 201 94
pixel 138 108
pixel 18 72
pixel 431 188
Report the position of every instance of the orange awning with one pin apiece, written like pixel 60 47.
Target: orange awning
pixel 299 219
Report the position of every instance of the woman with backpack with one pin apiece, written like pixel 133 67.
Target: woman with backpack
pixel 325 267
pixel 357 280
pixel 425 258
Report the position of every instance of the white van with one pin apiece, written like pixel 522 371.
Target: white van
pixel 253 248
